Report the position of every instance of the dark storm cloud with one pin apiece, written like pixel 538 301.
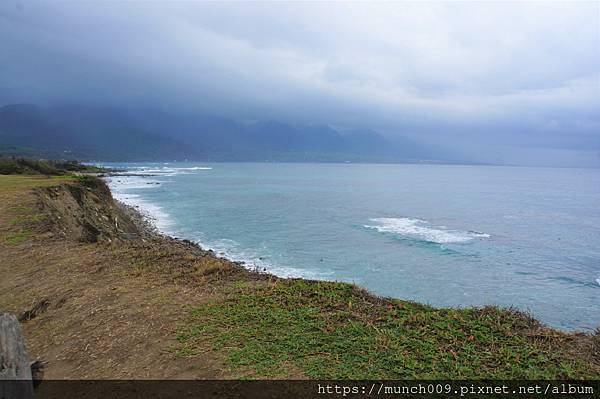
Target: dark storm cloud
pixel 490 75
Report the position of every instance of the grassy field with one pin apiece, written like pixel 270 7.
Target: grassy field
pixel 19 214
pixel 30 166
pixel 338 331
pixel 19 183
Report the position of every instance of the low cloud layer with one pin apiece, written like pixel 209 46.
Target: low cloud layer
pixel 485 79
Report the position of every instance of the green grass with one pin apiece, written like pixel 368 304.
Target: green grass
pixel 24 215
pixel 18 237
pixel 18 182
pixel 337 331
pixel 31 166
pixel 21 220
pixel 26 219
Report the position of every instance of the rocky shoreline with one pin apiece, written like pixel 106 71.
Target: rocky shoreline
pixel 148 230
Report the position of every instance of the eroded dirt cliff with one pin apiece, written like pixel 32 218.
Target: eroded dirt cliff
pixel 86 212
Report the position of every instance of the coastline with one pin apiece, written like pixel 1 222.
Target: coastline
pixel 148 226
pixel 151 213
pixel 115 296
pixel 149 230
pixel 153 219
pixel 393 252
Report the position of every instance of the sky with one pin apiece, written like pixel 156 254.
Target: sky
pixel 510 82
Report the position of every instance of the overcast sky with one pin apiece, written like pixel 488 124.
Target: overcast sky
pixel 507 82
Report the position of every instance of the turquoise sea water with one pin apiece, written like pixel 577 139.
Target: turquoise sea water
pixel 441 234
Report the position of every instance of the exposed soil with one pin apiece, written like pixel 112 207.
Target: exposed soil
pixel 97 295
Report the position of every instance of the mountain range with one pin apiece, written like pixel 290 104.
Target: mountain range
pixel 117 134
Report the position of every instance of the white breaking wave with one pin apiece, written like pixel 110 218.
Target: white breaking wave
pixel 423 230
pixel 253 259
pixel 120 188
pixel 598 280
pixel 161 170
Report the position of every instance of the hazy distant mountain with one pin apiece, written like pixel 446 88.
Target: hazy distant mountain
pixel 119 134
pixel 80 132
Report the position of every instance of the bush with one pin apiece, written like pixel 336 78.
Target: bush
pixel 26 166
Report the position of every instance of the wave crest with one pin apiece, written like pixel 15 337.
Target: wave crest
pixel 422 230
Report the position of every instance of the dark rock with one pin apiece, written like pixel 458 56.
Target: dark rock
pixel 38 308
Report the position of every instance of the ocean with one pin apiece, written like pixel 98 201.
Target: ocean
pixel 446 235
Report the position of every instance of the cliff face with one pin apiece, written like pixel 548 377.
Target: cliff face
pixel 98 298
pixel 86 212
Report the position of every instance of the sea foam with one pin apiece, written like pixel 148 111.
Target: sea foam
pixel 257 260
pixel 121 188
pixel 161 170
pixel 422 230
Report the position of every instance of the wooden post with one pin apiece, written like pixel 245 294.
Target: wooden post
pixel 15 370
